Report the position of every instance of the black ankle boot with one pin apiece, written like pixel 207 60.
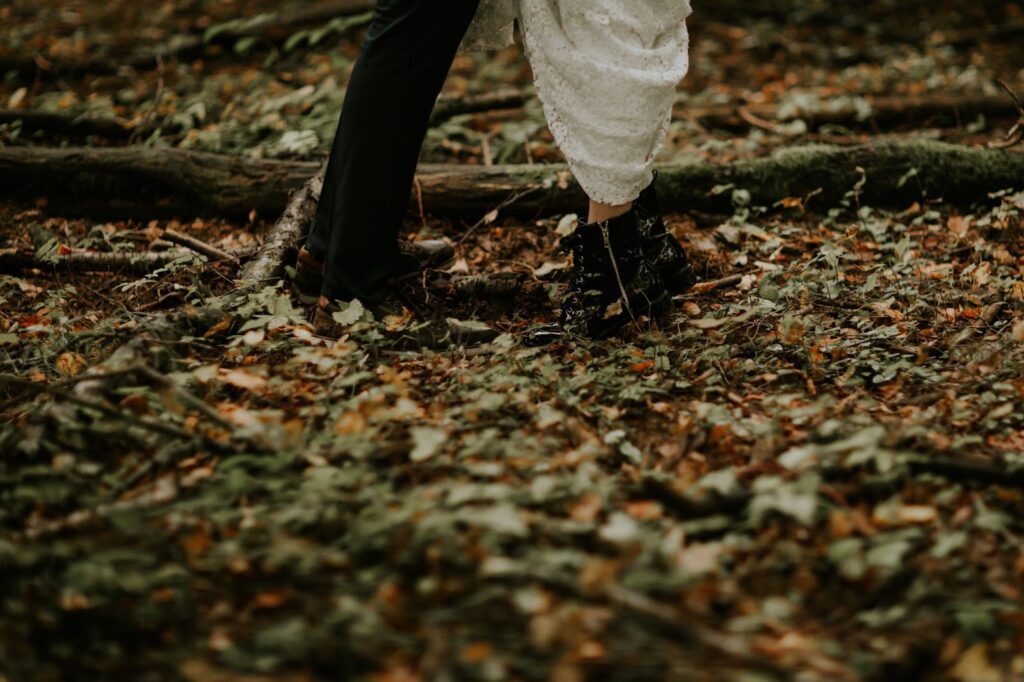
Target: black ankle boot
pixel 664 252
pixel 612 282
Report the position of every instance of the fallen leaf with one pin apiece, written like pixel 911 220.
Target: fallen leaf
pixel 240 378
pixel 70 364
pixel 426 442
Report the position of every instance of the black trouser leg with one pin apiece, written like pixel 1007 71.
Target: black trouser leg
pixel 408 51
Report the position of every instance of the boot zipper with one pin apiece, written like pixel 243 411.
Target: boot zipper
pixel 615 268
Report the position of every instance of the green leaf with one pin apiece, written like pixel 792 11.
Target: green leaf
pixel 349 314
pixel 426 442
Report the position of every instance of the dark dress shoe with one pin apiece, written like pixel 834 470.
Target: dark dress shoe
pixel 414 257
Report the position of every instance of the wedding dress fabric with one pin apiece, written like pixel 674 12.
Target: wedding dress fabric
pixel 606 73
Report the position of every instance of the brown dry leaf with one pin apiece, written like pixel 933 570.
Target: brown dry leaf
pixel 72 601
pixel 699 558
pixel 15 100
pixel 396 673
pixel 201 670
pixel 476 653
pixel 613 310
pixel 586 508
pixel 591 650
pixel 642 366
pixel 70 364
pixel 905 515
pixel 218 328
pixel 644 510
pixel 959 225
pixel 974 666
pixel 136 403
pixel 240 378
pixel 197 543
pixel 350 422
pixel 270 599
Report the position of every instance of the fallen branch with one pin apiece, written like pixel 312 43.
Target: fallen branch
pixel 285 237
pixel 141 182
pixel 211 252
pixel 712 285
pixel 14 261
pixel 479 286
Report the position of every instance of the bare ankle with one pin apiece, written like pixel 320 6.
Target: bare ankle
pixel 601 212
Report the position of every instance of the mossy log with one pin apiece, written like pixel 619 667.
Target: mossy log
pixel 142 182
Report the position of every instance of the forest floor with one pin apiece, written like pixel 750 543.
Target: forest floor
pixel 814 472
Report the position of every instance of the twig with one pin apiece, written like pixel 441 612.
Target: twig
pixel 486 285
pixel 199 405
pixel 712 285
pixel 140 131
pixel 419 202
pixel 747 115
pixel 492 215
pixel 1016 134
pixel 201 247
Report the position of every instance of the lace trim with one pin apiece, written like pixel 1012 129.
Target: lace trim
pixel 606 72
